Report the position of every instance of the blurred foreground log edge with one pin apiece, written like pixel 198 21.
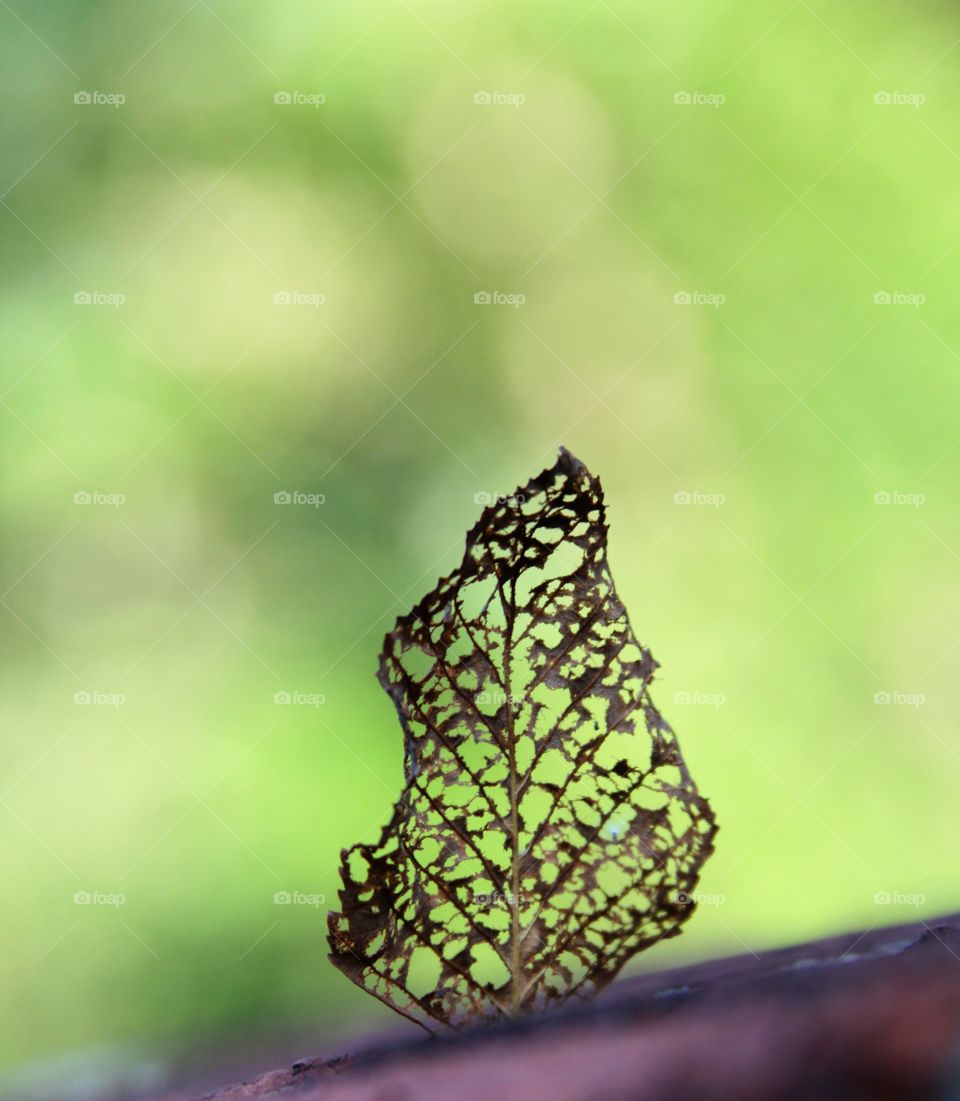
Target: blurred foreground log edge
pixel 869 1015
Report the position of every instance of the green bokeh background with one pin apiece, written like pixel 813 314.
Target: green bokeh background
pixel 780 601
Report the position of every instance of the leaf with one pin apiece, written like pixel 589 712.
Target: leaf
pixel 548 829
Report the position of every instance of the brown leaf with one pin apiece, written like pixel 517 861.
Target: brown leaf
pixel 548 829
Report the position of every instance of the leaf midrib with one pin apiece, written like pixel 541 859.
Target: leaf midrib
pixel 516 993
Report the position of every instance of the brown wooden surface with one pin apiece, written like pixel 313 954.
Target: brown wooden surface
pixel 872 1015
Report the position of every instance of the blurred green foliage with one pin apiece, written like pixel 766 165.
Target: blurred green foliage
pixel 825 177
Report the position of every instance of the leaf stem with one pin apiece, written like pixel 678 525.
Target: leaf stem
pixel 516 991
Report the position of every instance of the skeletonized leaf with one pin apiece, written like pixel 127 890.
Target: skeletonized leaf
pixel 548 828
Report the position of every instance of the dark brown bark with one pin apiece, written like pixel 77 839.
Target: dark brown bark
pixel 871 1016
